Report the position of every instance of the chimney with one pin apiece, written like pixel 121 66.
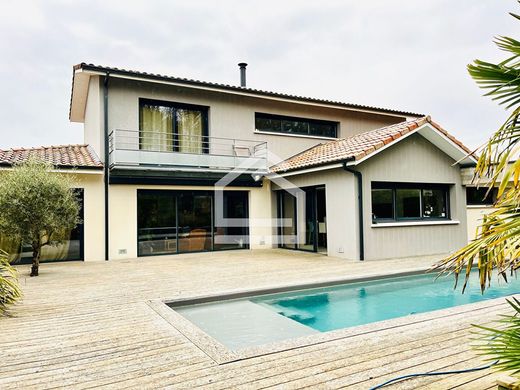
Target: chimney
pixel 242 67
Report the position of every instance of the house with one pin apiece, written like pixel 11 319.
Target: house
pixel 172 165
pixel 480 199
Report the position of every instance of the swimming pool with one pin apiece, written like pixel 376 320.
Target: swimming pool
pixel 362 303
pixel 264 319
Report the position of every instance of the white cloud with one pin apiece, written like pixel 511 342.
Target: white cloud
pixel 410 57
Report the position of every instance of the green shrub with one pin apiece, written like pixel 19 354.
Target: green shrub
pixel 9 289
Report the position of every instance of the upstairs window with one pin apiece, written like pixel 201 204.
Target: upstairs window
pixel 298 126
pixel 167 127
pixel 409 201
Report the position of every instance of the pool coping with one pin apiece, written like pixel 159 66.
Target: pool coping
pixel 223 355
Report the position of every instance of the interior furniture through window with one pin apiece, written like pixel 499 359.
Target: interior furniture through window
pixel 170 221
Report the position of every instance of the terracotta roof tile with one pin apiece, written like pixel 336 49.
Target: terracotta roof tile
pixel 66 156
pixel 357 146
pixel 156 76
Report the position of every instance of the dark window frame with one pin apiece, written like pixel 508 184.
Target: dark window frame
pixel 263 115
pixel 178 105
pixel 280 194
pixel 479 197
pixel 175 194
pixel 394 186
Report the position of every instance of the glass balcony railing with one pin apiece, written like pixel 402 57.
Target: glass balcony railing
pixel 134 148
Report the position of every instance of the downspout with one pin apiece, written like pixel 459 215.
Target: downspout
pixel 359 178
pixel 106 158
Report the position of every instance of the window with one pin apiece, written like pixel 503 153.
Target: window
pixel 382 203
pixel 298 126
pixel 167 127
pixel 65 245
pixel 407 201
pixel 480 196
pixel 170 221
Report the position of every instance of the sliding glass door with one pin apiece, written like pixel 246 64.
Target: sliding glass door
pixel 303 219
pixel 232 231
pixel 156 221
pixel 195 214
pixel 308 236
pixel 287 214
pixel 184 221
pixel 172 127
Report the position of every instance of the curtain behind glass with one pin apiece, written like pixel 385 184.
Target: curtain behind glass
pixel 156 128
pixel 189 130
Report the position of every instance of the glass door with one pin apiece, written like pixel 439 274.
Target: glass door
pixel 303 219
pixel 308 231
pixel 288 219
pixel 233 231
pixel 321 218
pixel 171 222
pixel 156 223
pixel 195 222
pixel 173 127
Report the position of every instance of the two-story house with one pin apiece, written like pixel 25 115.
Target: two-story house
pixel 173 165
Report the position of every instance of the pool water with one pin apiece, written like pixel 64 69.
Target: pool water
pixel 361 303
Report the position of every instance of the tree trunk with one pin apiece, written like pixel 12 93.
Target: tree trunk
pixel 35 260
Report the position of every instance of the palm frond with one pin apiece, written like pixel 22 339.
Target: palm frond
pixel 502 343
pixel 10 291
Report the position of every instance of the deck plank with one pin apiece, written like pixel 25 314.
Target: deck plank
pixel 86 325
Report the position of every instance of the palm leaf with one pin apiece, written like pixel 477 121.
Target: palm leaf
pixel 9 289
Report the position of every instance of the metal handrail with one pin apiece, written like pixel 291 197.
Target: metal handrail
pixel 123 139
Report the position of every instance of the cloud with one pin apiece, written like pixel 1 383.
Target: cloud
pixel 410 57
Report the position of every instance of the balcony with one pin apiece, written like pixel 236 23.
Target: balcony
pixel 134 149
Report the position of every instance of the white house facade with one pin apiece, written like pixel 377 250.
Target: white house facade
pixel 172 165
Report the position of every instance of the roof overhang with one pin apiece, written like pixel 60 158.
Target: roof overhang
pixel 437 138
pixel 78 99
pixel 83 72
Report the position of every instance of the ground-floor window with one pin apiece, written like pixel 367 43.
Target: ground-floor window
pixel 482 196
pixel 303 219
pixel 409 201
pixel 66 246
pixel 191 221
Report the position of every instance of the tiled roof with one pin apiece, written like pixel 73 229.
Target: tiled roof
pixel 253 91
pixel 62 156
pixel 357 146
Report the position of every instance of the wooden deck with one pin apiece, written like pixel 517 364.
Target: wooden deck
pixel 84 325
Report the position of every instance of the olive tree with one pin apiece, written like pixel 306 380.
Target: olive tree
pixel 36 205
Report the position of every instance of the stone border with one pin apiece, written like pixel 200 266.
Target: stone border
pixel 222 355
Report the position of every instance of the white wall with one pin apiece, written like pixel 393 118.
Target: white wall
pixel 232 116
pixel 474 216
pixel 93 126
pixel 94 215
pixel 123 216
pixel 414 160
pixel 341 209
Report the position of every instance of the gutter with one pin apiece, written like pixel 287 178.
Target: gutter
pixel 106 157
pixel 359 178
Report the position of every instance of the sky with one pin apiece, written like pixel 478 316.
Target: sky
pixel 404 54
